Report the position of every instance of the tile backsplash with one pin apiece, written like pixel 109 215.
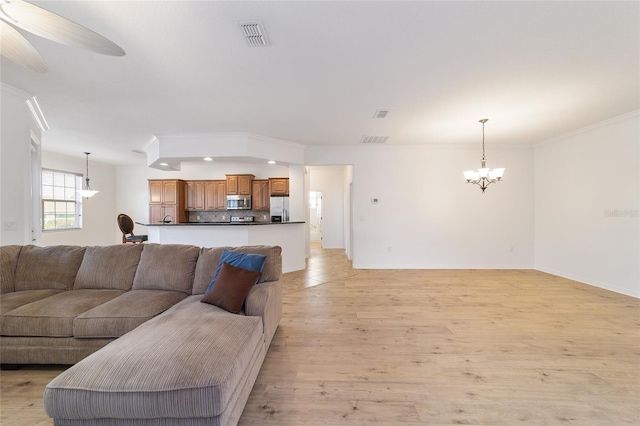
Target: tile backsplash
pixel 225 216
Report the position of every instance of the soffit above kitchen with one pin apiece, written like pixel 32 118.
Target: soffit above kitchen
pixel 537 69
pixel 168 152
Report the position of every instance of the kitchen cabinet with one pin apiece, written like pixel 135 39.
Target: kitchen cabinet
pixel 239 184
pixel 215 195
pixel 167 198
pixel 206 195
pixel 195 195
pixel 279 186
pixel 260 197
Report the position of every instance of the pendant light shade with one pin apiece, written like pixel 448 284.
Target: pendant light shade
pixel 86 190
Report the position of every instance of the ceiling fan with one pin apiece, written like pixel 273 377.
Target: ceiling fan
pixel 15 47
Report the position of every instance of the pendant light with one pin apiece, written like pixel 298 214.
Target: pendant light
pixel 484 176
pixel 86 191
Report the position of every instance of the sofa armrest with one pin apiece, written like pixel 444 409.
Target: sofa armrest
pixel 8 262
pixel 265 300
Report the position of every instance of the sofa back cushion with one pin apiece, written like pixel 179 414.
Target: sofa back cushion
pixel 53 267
pixel 166 267
pixel 210 258
pixel 8 261
pixel 109 267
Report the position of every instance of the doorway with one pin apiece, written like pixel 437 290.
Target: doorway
pixel 36 188
pixel 315 216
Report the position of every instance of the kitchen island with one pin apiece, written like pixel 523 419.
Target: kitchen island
pixel 288 235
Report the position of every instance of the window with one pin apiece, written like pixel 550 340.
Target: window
pixel 61 203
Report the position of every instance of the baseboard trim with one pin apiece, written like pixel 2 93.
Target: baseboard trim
pixel 604 286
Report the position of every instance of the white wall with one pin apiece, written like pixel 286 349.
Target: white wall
pixel 99 226
pixel 428 216
pixel 330 181
pixel 17 126
pixel 133 188
pixel 580 179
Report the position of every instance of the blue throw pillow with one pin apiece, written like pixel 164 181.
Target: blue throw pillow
pixel 251 262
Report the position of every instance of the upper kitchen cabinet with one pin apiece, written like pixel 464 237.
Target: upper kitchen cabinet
pixel 167 200
pixel 279 186
pixel 260 197
pixel 195 195
pixel 215 195
pixel 239 184
pixel 206 195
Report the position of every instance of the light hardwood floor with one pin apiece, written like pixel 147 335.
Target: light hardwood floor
pixel 429 347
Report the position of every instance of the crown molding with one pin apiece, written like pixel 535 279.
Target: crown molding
pixel 588 128
pixel 404 147
pixel 10 90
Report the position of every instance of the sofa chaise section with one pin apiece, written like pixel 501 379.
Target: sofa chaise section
pixel 194 364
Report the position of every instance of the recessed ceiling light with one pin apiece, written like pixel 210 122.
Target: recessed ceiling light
pixel 164 164
pixel 208 159
pixel 271 162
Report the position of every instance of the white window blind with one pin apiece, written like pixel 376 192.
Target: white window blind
pixel 61 204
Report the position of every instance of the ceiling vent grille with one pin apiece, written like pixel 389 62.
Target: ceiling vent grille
pixel 254 33
pixel 380 113
pixel 374 139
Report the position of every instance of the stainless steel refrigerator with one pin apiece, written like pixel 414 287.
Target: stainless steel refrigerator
pixel 279 209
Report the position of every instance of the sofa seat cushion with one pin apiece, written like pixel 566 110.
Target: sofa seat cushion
pixel 11 301
pixel 187 362
pixel 53 316
pixel 124 313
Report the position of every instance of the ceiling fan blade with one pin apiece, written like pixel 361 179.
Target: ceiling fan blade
pixel 46 24
pixel 16 48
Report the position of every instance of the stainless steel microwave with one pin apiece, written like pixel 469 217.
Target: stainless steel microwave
pixel 238 202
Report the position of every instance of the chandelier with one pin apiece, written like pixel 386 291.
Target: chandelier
pixel 484 176
pixel 86 190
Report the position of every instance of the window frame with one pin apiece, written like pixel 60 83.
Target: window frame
pixel 77 201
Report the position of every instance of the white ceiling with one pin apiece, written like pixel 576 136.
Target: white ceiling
pixel 535 69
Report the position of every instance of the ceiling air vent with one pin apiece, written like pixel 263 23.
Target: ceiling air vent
pixel 254 33
pixel 380 113
pixel 374 139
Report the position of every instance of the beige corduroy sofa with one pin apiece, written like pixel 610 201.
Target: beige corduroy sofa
pixel 146 351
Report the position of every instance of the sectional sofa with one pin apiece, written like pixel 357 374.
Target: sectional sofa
pixel 146 350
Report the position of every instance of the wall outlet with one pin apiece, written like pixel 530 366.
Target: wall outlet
pixel 198 218
pixel 10 226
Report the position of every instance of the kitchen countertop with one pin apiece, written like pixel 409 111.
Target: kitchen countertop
pixel 216 223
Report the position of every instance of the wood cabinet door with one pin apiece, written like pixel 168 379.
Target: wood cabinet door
pixel 155 192
pixel 171 212
pixel 216 195
pixel 260 196
pixel 232 185
pixel 244 185
pixel 220 202
pixel 170 192
pixel 256 198
pixel 279 186
pixel 195 195
pixel 155 213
